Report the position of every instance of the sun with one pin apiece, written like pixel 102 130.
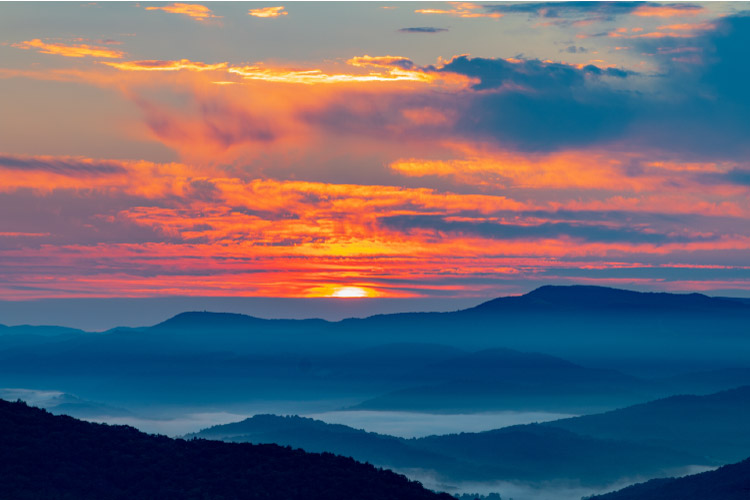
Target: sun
pixel 348 292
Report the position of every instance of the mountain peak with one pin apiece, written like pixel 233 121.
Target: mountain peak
pixel 600 297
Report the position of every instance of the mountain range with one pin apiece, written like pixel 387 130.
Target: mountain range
pixel 578 348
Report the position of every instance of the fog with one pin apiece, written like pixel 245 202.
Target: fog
pixel 177 422
pixel 410 424
pixel 552 490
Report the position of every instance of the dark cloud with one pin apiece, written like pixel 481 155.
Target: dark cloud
pixel 61 166
pixel 590 10
pixel 536 106
pixel 528 74
pixel 739 176
pixel 498 231
pixel 693 108
pixel 703 104
pixel 572 49
pixel 564 9
pixel 203 190
pixel 423 29
pixel 615 72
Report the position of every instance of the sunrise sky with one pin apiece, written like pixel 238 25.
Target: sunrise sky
pixel 392 150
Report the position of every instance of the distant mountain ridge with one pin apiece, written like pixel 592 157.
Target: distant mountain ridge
pixel 216 358
pixel 605 298
pixel 194 319
pixel 568 297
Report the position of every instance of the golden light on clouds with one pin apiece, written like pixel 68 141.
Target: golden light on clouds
pixel 268 12
pixel 312 76
pixel 155 65
pixel 462 9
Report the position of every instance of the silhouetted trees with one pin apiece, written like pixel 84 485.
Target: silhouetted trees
pixel 61 458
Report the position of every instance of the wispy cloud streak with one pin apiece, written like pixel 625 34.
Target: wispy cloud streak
pixel 70 50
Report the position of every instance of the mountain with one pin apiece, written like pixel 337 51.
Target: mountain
pixel 506 379
pixel 731 482
pixel 202 358
pixel 527 453
pixel 598 298
pixel 26 335
pixel 58 457
pixel 42 331
pixel 714 426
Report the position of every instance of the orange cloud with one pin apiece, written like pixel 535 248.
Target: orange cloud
pixel 653 34
pixel 652 189
pixel 17 234
pixel 688 27
pixel 566 170
pixel 426 116
pixel 462 9
pixel 668 10
pixel 195 11
pixel 268 12
pixel 70 50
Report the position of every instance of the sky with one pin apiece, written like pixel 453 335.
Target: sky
pixel 390 150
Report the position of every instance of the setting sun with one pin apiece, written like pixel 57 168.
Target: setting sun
pixel 348 292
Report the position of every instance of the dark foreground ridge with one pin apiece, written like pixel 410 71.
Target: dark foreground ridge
pixel 59 457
